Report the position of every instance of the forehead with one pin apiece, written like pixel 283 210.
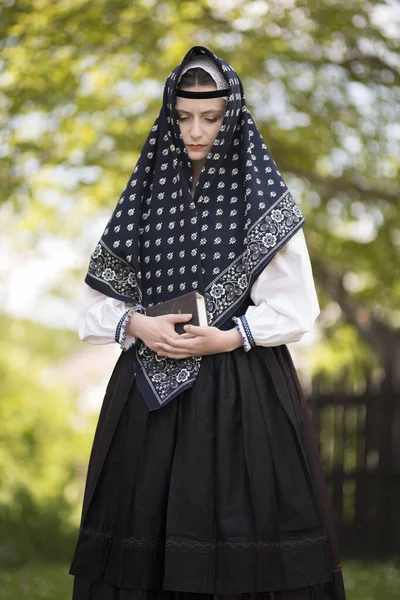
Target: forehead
pixel 200 105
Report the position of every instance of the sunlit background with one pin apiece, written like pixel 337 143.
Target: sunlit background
pixel 80 86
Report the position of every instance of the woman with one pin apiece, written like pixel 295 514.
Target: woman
pixel 204 477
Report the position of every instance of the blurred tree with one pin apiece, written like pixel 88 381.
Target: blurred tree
pixel 81 83
pixel 39 445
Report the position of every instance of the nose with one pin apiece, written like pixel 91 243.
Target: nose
pixel 196 131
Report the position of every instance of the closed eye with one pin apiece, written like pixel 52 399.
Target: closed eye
pixel 209 119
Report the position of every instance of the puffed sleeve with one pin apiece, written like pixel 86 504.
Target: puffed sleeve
pixel 285 300
pixel 99 317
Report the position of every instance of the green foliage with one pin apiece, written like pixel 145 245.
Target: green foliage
pixel 36 582
pixel 40 449
pixel 39 529
pixel 364 581
pixel 36 432
pixel 342 362
pixel 371 581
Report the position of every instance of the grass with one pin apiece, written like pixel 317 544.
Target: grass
pixel 36 582
pixel 364 581
pixel 372 581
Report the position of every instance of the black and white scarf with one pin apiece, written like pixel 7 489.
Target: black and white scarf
pixel 163 241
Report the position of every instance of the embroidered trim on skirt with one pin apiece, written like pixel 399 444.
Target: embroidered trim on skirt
pixel 214 494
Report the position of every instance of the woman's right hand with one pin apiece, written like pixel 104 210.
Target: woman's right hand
pixel 151 329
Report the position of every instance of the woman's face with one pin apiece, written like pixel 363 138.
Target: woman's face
pixel 199 122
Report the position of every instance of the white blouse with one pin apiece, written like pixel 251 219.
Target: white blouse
pixel 284 296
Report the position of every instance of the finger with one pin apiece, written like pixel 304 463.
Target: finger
pixel 163 347
pixel 166 347
pixel 172 352
pixel 179 318
pixel 184 345
pixel 195 330
pixel 174 356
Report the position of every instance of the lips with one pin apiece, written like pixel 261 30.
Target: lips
pixel 197 146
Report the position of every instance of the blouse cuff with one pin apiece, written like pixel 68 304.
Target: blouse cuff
pixel 121 329
pixel 243 328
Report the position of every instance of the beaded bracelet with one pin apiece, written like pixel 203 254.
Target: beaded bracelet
pixel 120 331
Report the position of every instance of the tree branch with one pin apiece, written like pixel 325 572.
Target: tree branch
pixel 375 332
pixel 372 61
pixel 340 185
pixel 384 340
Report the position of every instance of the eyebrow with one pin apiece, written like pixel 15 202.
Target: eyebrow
pixel 206 112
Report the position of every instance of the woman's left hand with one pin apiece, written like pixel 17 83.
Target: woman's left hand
pixel 200 341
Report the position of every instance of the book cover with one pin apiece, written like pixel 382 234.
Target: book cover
pixel 192 303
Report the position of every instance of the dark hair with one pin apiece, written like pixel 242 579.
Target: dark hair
pixel 194 77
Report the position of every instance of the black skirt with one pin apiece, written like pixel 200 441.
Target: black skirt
pixel 216 493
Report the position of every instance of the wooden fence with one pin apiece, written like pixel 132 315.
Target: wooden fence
pixel 359 440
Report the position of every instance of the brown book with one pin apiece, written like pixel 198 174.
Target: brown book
pixel 192 303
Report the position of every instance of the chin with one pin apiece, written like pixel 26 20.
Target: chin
pixel 193 155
